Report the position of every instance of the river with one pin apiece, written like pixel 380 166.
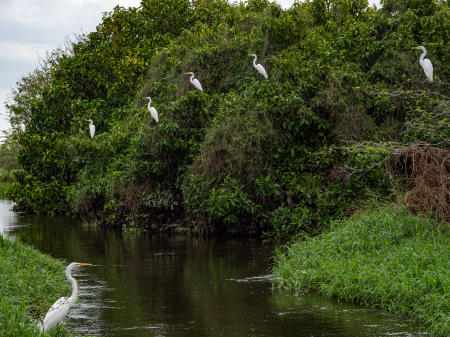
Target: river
pixel 160 286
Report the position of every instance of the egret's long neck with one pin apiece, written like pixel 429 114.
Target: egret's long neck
pixel 422 56
pixel 254 60
pixel 73 282
pixel 192 78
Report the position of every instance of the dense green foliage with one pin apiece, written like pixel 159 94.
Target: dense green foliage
pixel 385 259
pixel 30 282
pixel 247 155
pixel 8 162
pixel 3 188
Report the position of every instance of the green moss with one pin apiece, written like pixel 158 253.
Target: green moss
pixel 385 259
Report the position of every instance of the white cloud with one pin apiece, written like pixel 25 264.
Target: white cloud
pixel 29 28
pixel 18 52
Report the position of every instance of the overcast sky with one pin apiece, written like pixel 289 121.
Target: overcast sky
pixel 29 28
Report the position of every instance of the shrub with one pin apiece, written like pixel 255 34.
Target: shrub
pixel 425 173
pixel 343 85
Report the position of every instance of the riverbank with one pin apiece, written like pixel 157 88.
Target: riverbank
pixel 3 188
pixel 30 282
pixel 384 259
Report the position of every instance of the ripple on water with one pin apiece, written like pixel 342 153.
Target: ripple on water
pixel 260 278
pixel 188 287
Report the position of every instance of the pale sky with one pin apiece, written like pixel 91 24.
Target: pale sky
pixel 29 28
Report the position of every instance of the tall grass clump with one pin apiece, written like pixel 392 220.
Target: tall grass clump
pixel 8 164
pixel 30 282
pixel 3 188
pixel 384 259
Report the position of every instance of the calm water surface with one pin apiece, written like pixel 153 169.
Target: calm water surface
pixel 157 286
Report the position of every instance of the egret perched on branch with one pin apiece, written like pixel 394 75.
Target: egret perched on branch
pixel 194 81
pixel 258 66
pixel 152 110
pixel 91 128
pixel 59 310
pixel 425 63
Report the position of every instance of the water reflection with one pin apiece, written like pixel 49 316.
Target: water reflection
pixel 158 286
pixel 8 219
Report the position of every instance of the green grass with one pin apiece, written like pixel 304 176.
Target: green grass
pixel 3 187
pixel 384 259
pixel 6 175
pixel 30 282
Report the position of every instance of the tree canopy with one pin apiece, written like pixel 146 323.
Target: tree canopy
pixel 345 101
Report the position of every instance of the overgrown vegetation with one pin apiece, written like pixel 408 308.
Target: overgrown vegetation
pixel 385 259
pixel 8 162
pixel 30 282
pixel 337 121
pixel 3 189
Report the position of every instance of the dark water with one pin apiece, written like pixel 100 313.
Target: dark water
pixel 156 286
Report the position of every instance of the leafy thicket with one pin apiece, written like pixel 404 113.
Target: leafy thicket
pixel 8 162
pixel 345 97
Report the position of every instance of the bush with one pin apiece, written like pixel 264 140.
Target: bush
pixel 343 87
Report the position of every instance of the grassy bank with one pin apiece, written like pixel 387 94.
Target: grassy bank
pixel 385 259
pixel 3 187
pixel 30 282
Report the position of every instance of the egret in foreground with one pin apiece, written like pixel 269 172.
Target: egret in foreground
pixel 152 110
pixel 59 310
pixel 91 128
pixel 194 81
pixel 258 66
pixel 425 63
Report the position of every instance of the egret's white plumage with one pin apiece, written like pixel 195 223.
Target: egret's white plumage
pixel 425 63
pixel 259 67
pixel 61 307
pixel 91 128
pixel 194 81
pixel 152 110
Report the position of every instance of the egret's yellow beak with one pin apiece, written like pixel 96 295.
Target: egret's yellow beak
pixel 84 264
pixel 415 48
pixel 187 73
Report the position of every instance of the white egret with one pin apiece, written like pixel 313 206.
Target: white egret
pixel 258 66
pixel 91 128
pixel 194 81
pixel 59 310
pixel 425 63
pixel 152 110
